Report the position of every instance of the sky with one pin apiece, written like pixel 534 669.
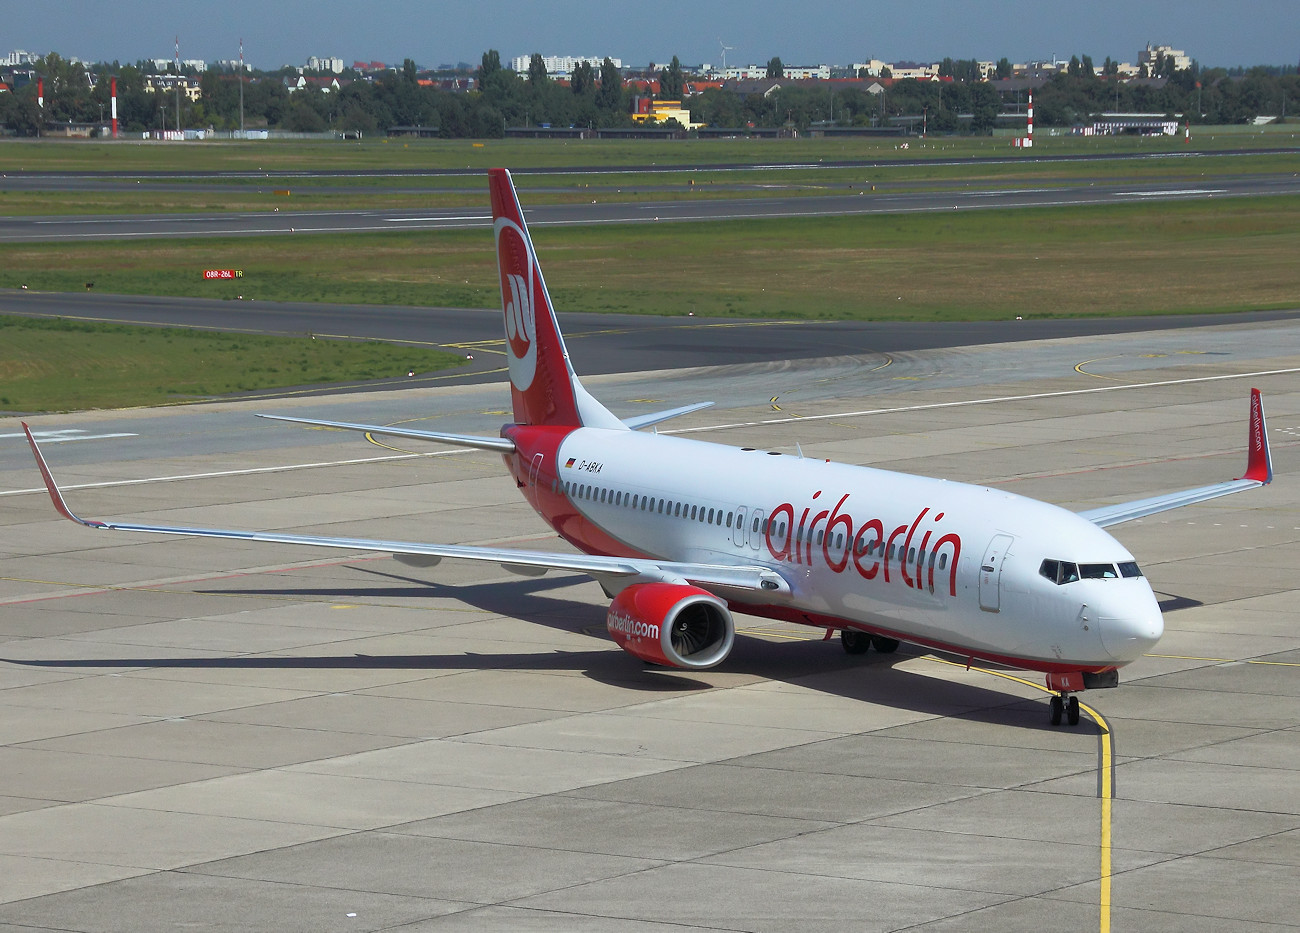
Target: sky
pixel 805 32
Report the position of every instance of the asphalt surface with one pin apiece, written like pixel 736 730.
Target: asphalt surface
pixel 220 735
pixel 598 343
pixel 37 177
pixel 861 201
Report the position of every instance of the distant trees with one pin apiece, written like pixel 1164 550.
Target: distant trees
pixel 610 96
pixel 775 69
pixel 596 97
pixel 672 82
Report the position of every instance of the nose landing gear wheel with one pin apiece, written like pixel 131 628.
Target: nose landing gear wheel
pixel 1064 706
pixel 884 645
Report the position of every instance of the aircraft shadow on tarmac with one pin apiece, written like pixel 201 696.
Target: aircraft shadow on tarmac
pixel 874 678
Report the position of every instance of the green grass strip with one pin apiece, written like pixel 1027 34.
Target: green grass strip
pixel 1224 254
pixel 59 365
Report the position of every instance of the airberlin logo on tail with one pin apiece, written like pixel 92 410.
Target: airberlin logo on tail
pixel 517 296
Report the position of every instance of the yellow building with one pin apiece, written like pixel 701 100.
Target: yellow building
pixel 661 111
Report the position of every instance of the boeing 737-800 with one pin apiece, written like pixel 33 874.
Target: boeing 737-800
pixel 682 533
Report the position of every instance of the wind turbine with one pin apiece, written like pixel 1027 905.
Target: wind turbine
pixel 725 50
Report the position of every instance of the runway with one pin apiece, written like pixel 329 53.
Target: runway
pixel 250 737
pixel 51 228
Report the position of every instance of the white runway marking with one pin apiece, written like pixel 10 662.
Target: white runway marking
pixel 985 401
pixel 65 435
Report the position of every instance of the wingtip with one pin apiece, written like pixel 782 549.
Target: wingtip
pixel 56 496
pixel 1259 458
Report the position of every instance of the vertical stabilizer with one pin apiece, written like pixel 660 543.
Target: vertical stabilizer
pixel 543 387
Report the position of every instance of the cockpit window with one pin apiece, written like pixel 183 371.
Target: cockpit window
pixel 1059 571
pixel 1098 571
pixel 1064 571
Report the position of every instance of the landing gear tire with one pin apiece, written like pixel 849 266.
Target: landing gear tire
pixel 854 642
pixel 884 645
pixel 1072 711
pixel 1056 708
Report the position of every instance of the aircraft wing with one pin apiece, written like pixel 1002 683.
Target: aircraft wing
pixel 1259 472
pixel 528 563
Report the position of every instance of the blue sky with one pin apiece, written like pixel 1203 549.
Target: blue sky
pixel 1213 32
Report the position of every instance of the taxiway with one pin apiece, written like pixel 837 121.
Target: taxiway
pixel 241 736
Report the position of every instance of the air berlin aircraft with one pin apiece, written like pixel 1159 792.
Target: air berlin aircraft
pixel 682 533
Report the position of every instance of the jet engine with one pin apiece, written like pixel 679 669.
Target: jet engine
pixel 673 624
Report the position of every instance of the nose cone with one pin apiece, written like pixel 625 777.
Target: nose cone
pixel 1131 625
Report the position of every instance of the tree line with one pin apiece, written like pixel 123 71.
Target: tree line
pixel 597 98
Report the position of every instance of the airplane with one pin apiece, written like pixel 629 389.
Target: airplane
pixel 682 533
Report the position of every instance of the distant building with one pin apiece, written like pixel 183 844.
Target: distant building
pixel 298 82
pixel 17 57
pixel 661 111
pixel 333 65
pixel 168 83
pixel 1149 55
pixel 916 70
pixel 1132 124
pixel 798 72
pixel 562 64
pixel 169 64
pixel 872 68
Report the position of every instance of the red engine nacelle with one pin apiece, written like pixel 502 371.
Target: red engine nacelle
pixel 672 624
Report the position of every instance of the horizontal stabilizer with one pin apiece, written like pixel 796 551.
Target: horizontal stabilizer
pixel 644 421
pixel 499 444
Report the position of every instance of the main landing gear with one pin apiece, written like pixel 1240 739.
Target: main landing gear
pixel 1064 704
pixel 857 642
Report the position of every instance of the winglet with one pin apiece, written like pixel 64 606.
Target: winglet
pixel 53 487
pixel 1259 462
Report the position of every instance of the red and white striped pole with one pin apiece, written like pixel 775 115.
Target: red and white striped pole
pixel 1029 135
pixel 40 93
pixel 114 89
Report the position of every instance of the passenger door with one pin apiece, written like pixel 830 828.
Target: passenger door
pixel 991 573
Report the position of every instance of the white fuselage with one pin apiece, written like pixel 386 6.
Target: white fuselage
pixel 941 563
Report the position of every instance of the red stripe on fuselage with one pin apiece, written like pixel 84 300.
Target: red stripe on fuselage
pixel 818 620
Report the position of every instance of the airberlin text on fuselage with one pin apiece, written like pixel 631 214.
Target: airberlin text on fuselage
pixel 868 547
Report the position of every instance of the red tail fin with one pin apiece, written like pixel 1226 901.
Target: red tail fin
pixel 541 384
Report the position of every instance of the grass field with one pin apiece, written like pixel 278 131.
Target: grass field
pixel 1153 258
pixel 64 365
pixel 379 154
